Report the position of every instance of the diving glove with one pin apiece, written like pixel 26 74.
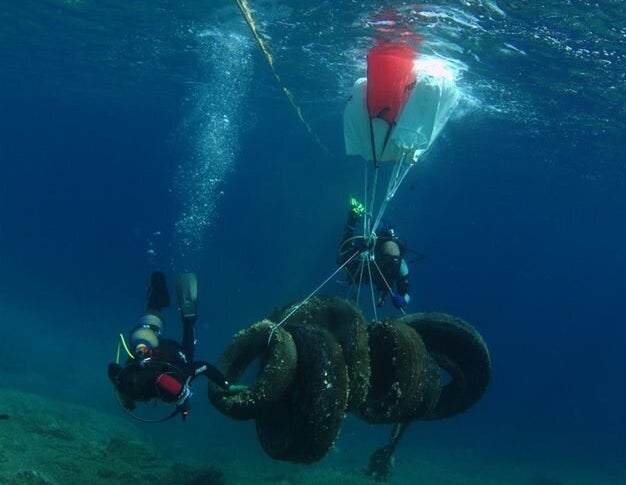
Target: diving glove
pixel 356 207
pixel 186 294
pixel 400 301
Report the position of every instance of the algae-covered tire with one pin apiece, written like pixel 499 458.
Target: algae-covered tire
pixel 347 324
pixel 302 426
pixel 277 360
pixel 461 351
pixel 405 382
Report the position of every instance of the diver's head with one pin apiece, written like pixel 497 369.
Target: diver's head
pixel 390 249
pixel 388 256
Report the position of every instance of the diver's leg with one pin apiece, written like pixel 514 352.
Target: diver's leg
pixel 381 461
pixel 157 296
pixel 188 342
pixel 186 295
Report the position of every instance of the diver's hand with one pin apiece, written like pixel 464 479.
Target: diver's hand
pixel 356 207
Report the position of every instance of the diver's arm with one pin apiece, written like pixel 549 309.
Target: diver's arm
pixel 157 296
pixel 115 372
pixel 188 342
pixel 345 248
pixel 211 372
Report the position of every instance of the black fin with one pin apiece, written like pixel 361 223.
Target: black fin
pixel 157 296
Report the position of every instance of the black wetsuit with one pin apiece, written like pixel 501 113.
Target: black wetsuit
pixel 393 270
pixel 136 380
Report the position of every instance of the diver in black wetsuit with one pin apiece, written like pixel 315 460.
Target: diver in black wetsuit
pixel 389 271
pixel 161 368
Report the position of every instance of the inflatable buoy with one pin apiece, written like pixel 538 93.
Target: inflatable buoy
pixel 277 367
pixel 405 381
pixel 461 351
pixel 305 423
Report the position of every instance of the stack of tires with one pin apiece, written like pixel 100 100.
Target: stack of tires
pixel 327 361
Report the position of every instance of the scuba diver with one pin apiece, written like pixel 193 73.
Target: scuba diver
pixel 161 368
pixel 388 271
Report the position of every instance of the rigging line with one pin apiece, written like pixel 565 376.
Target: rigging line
pixel 369 271
pixel 342 251
pixel 396 178
pixel 391 292
pixel 247 15
pixel 369 228
pixel 366 216
pixel 382 276
pixel 308 297
pixel 361 272
pixel 372 140
pixel 385 202
pixel 399 177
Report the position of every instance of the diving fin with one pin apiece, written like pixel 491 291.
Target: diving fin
pixel 186 294
pixel 157 296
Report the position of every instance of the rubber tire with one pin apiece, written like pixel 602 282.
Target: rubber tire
pixel 461 351
pixel 303 426
pixel 277 369
pixel 346 323
pixel 405 383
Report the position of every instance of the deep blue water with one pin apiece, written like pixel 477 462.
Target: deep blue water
pixel 519 208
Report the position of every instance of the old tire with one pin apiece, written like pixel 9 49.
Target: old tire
pixel 347 324
pixel 277 367
pixel 461 351
pixel 405 381
pixel 303 425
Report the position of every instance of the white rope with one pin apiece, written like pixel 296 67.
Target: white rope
pixel 399 179
pixel 309 296
pixel 398 173
pixel 383 277
pixel 367 229
pixel 358 291
pixel 369 233
pixel 369 270
pixel 366 206
pixel 391 292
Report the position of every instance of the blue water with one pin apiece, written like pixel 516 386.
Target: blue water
pixel 137 135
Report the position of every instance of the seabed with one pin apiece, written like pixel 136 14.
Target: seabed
pixel 48 442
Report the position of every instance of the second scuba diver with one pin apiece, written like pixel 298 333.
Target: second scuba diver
pixel 161 368
pixel 389 272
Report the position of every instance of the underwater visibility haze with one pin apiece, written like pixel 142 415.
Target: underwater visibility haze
pixel 142 135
